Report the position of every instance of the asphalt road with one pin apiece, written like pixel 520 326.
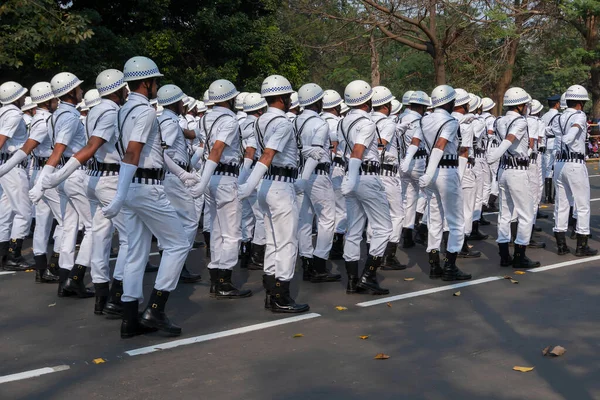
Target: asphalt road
pixel 440 346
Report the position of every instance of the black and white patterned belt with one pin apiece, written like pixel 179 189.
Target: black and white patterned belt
pixel 39 162
pixel 322 169
pixel 227 169
pixel 282 174
pixel 149 176
pixel 339 162
pixel 369 168
pixel 421 153
pixel 103 169
pixel 565 156
pixel 389 169
pixel 449 161
pixel 510 162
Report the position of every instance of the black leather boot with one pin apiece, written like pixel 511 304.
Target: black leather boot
pixel 75 283
pixel 102 292
pixel 53 263
pixel 583 250
pixel 3 253
pixel 306 268
pixel 63 275
pixel 187 277
pixel 466 252
pixel 572 223
pixel 352 272
pixel 207 241
pixel 533 244
pixel 435 270
pixel 245 251
pixel 320 274
pixel 269 285
pixel 549 191
pixel 520 260
pixel 475 234
pixel 368 279
pixel 337 248
pixel 444 245
pixel 154 316
pixel 14 259
pixel 505 258
pixel 114 306
pixel 561 243
pixel 130 324
pixel 451 271
pixel 492 203
pixel 42 273
pixel 422 234
pixel 407 238
pixel 483 221
pixel 282 302
pixel 257 257
pixel 214 278
pixel 226 290
pixel 390 262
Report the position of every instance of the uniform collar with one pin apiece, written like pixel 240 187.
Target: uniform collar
pixel 251 118
pixel 310 113
pixel 440 111
pixel 359 111
pixel 68 107
pixel 513 114
pixel 170 113
pixel 379 114
pixel 276 111
pixel 328 114
pixel 223 110
pixel 109 103
pixel 13 107
pixel 138 98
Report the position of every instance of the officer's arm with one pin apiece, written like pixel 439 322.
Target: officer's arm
pixel 267 157
pixel 92 146
pixel 249 153
pixel 441 144
pixel 416 141
pixel 29 146
pixel 334 146
pixel 358 151
pixel 189 134
pixel 216 151
pixel 133 152
pixel 3 140
pixel 57 153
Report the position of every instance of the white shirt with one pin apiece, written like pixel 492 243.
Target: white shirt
pixel 102 122
pixel 386 127
pixel 362 132
pixel 278 136
pixel 466 130
pixel 248 136
pixel 440 121
pixel 406 126
pixel 222 125
pixel 533 127
pixel 68 129
pixel 515 124
pixel 27 118
pixel 333 121
pixel 172 134
pixel 13 127
pixel 314 134
pixel 241 116
pixel 549 119
pixel 40 132
pixel 572 138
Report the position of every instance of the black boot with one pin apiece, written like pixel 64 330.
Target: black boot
pixel 226 290
pixel 53 263
pixel 536 229
pixel 63 276
pixel 492 203
pixel 245 251
pixel 114 306
pixel 422 233
pixel 390 262
pixel 42 273
pixel 451 271
pixel 444 245
pixel 435 270
pixel 549 191
pixel 533 244
pixel 407 238
pixel 520 260
pixel 14 259
pixel 583 250
pixel 352 272
pixel 150 267
pixel 475 234
pixel 320 274
pixel 3 253
pixel 75 283
pixel 187 277
pixel 154 316
pixel 306 268
pixel 130 325
pixel 483 221
pixel 505 258
pixel 368 279
pixel 257 257
pixel 561 243
pixel 269 285
pixel 214 278
pixel 466 252
pixel 337 248
pixel 207 241
pixel 572 223
pixel 102 293
pixel 282 302
pixel 514 226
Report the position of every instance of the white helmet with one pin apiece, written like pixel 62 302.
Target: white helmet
pixel 11 92
pixel 577 92
pixel 169 94
pixel 201 107
pixel 253 102
pixel 396 107
pixel 331 99
pixel 63 83
pixel 109 81
pixel 419 97
pixel 159 110
pixel 441 95
pixel 92 98
pixel 275 85
pixel 462 97
pixel 515 96
pixel 153 102
pixel 29 104
pixel 487 104
pixel 536 107
pixel 309 94
pixel 294 100
pixel 41 92
pixel 222 90
pixel 406 97
pixel 239 101
pixel 189 102
pixel 138 68
pixel 563 101
pixel 474 102
pixel 192 104
pixel 344 108
pixel 206 99
pixel 381 96
pixel 82 106
pixel 357 93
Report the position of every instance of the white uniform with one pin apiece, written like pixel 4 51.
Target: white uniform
pixel 481 169
pixel 490 172
pixel 337 174
pixel 147 210
pixel 468 181
pixel 534 127
pixel 548 161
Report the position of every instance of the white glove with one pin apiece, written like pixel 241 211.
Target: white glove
pixel 434 161
pixel 309 167
pixel 36 193
pixel 126 174
pixel 245 171
pixel 53 180
pixel 350 182
pixel 179 172
pixel 197 157
pixel 494 156
pixel 462 166
pixel 12 162
pixel 258 172
pixel 196 190
pixel 300 185
pixel 424 180
pixel 410 153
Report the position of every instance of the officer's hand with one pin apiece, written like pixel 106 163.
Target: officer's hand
pixel 244 190
pixel 112 210
pixel 196 190
pixel 348 186
pixel 4 170
pixel 542 149
pixel 188 178
pixel 424 180
pixel 490 158
pixel 35 194
pixel 50 181
pixel 300 185
pixel 404 166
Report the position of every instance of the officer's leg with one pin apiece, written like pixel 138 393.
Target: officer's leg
pixel 561 206
pixel 323 199
pixel 393 191
pixel 269 256
pixel 340 202
pixel 305 224
pixel 76 189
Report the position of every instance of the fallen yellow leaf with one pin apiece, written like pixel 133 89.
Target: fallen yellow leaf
pixel 389 304
pixel 409 279
pixel 514 281
pixel 520 272
pixel 523 369
pixel 51 305
pixel 29 270
pixel 381 356
pixel 298 335
pixel 543 206
pixel 364 337
pixel 98 360
pixel 340 308
pixel 456 293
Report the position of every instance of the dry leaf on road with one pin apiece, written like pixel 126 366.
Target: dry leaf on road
pixel 99 360
pixel 409 279
pixel 364 337
pixel 523 369
pixel 340 308
pixel 381 356
pixel 520 272
pixel 514 281
pixel 554 351
pixel 507 277
pixel 389 304
pixel 298 335
pixel 456 293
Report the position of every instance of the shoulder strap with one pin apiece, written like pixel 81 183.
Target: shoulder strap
pixel 341 129
pixel 119 145
pixel 53 122
pixel 259 135
pixel 437 135
pixel 208 132
pixel 87 132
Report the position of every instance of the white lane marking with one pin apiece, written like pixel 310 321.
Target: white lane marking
pixel 594 199
pixel 593 176
pixel 217 335
pixel 151 254
pixel 471 283
pixel 7 272
pixel 32 374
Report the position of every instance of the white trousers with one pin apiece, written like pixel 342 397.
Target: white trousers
pixel 147 212
pixel 226 221
pixel 279 205
pixel 411 193
pixel 516 199
pixel 253 220
pixel 572 182
pixel 481 176
pixel 183 202
pixel 548 164
pixel 337 177
pixel 393 192
pixel 75 209
pixel 103 190
pixel 46 211
pixel 445 203
pixel 365 202
pixel 319 200
pixel 488 179
pixel 15 207
pixel 469 189
pixel 534 173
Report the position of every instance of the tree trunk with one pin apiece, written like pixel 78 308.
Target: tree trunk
pixel 439 65
pixel 595 89
pixel 506 78
pixel 375 74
